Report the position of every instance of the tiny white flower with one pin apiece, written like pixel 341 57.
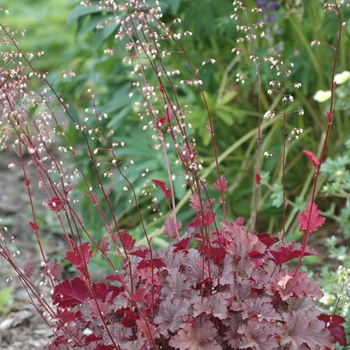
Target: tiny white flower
pixel 342 77
pixel 321 96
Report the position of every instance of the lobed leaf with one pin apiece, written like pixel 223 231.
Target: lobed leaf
pixel 311 220
pixel 70 293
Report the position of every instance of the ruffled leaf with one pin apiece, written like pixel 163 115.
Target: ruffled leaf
pixel 311 220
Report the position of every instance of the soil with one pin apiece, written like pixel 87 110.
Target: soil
pixel 22 327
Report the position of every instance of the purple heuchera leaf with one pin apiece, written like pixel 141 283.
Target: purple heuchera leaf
pixel 197 335
pixel 28 269
pixel 147 329
pixel 249 240
pixel 170 314
pixel 52 270
pixel 261 308
pixel 262 335
pixel 287 285
pixel 304 328
pixel 175 284
pixel 119 333
pixel 213 305
pixel 172 228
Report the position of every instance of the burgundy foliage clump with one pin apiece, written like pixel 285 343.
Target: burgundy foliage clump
pixel 231 292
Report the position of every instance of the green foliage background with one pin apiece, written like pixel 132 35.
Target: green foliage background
pixel 67 33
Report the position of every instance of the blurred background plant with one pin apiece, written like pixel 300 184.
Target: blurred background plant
pixel 290 28
pixel 335 283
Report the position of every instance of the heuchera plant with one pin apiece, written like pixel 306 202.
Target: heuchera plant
pixel 232 292
pixel 216 286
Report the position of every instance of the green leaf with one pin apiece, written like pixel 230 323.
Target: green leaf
pixel 78 12
pixel 5 299
pixel 90 24
pixel 276 196
pixel 174 6
pixel 225 117
pixel 227 97
pixel 109 29
pixel 98 38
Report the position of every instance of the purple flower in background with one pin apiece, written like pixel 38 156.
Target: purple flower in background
pixel 268 8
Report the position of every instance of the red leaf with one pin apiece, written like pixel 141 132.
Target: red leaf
pixel 116 277
pixel 105 291
pixel 267 239
pixel 221 184
pixel 209 217
pixel 94 197
pixel 129 319
pixel 310 220
pixel 160 122
pixel 139 295
pixel 169 114
pixel 56 204
pixel 33 225
pixel 258 179
pixel 288 251
pixel 239 221
pixel 195 223
pixel 312 157
pixel 68 188
pixel 248 240
pixel 330 116
pixel 97 307
pixel 28 269
pixel 162 186
pixel 127 241
pixel 195 202
pixel 104 244
pixel 182 244
pixel 70 292
pixel 53 270
pixel 66 315
pixel 213 305
pixel 187 153
pixel 148 330
pixel 333 325
pixel 80 257
pixel 209 128
pixel 172 228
